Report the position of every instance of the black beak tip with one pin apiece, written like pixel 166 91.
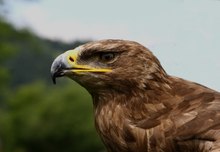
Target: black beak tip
pixel 54 79
pixel 57 69
pixel 54 75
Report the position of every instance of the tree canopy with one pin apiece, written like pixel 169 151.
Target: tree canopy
pixel 34 114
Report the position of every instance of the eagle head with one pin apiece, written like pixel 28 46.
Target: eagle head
pixel 115 64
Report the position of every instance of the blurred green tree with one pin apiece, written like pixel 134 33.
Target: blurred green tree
pixel 34 115
pixel 41 119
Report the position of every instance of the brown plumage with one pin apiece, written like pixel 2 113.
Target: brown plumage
pixel 138 107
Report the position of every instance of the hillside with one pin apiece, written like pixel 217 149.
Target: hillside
pixel 34 114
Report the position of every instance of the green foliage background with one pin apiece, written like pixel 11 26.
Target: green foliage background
pixel 36 116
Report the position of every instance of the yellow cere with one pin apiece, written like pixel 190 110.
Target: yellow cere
pixel 72 57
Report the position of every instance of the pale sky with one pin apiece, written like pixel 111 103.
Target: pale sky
pixel 183 34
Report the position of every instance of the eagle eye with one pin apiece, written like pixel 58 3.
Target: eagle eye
pixel 106 57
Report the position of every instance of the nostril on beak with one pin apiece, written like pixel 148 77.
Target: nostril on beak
pixel 71 59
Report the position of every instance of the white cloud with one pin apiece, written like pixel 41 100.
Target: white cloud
pixel 38 19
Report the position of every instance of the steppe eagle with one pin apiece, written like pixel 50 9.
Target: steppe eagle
pixel 138 107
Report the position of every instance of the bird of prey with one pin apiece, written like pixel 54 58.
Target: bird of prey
pixel 138 107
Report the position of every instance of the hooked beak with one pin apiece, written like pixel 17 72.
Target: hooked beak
pixel 57 68
pixel 66 63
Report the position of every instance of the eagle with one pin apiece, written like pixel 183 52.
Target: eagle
pixel 138 107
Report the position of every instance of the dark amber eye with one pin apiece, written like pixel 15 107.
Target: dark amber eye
pixel 105 57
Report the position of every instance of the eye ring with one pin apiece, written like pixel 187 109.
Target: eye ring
pixel 106 57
